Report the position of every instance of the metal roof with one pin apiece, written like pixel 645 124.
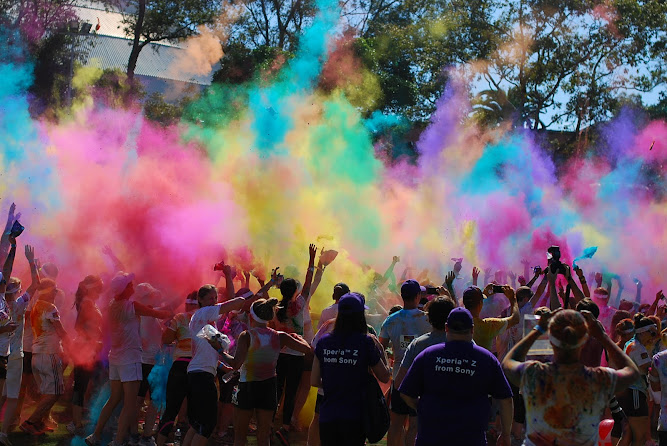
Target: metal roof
pixel 155 60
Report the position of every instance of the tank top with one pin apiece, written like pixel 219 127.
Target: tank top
pixel 260 364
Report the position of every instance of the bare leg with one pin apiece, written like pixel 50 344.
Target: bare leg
pixel 314 431
pixel 115 398
pixel 396 434
pixel 241 423
pixel 43 408
pixel 264 421
pixel 10 413
pixel 128 415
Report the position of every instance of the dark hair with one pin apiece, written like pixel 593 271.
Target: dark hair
pixel 589 305
pixel 395 309
pixel 625 324
pixel 438 311
pixel 206 289
pixel 192 295
pixel 642 321
pixel 541 311
pixel 287 289
pixel 350 323
pixel 339 290
pixel 619 316
pixel 82 290
pixel 265 308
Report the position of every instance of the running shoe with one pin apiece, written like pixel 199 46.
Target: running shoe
pixel 283 436
pixel 91 440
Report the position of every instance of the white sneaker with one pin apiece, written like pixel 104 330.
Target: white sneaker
pixel 4 439
pixel 91 440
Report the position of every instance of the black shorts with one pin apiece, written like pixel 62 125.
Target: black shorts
pixel 519 406
pixel 144 387
pixel 227 389
pixel 318 403
pixel 633 402
pixel 27 363
pixel 398 406
pixel 202 403
pixel 261 395
pixel 3 367
pixel 308 362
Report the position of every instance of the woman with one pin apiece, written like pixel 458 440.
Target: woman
pixel 624 330
pixel 178 331
pixel 634 400
pixel 88 344
pixel 124 359
pixel 341 364
pixel 257 351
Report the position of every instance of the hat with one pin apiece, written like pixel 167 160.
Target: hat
pixel 459 319
pixel 143 291
pixel 410 289
pixel 340 289
pixel 49 270
pixel 472 296
pixel 120 282
pixel 422 288
pixel 352 303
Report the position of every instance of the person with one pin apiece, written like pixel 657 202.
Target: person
pixel 449 385
pixel 257 351
pixel 634 400
pixel 340 368
pixel 591 352
pixel 290 319
pixel 87 364
pixel 601 299
pixel 202 393
pixel 177 331
pixel 487 329
pixel 16 304
pixel 658 379
pixel 124 359
pixel 400 329
pixel 565 399
pixel 330 312
pixel 437 310
pixel 7 327
pixel 49 337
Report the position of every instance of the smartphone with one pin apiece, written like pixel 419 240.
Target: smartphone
pixel 431 290
pixel 17 229
pixel 498 289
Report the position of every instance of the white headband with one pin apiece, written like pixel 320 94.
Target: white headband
pixel 628 331
pixel 645 328
pixel 257 318
pixel 191 301
pixel 560 344
pixel 15 290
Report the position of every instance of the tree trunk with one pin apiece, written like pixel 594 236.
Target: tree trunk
pixel 136 44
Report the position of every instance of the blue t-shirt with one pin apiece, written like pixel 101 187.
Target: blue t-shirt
pixel 344 363
pixel 453 382
pixel 401 328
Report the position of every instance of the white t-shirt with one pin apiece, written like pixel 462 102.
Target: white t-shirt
pixel 27 332
pixel 204 357
pixel 46 339
pixel 124 329
pixel 660 365
pixel 328 313
pixel 151 339
pixel 4 320
pixel 17 312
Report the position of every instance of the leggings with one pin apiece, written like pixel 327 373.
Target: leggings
pixel 288 372
pixel 82 377
pixel 177 386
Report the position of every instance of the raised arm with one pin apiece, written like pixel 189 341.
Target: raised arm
pixel 9 264
pixel 229 273
pixel 539 291
pixel 390 271
pixel 638 295
pixel 536 274
pixel 117 264
pixel 526 268
pixel 515 318
pixel 305 291
pixel 4 240
pixel 34 272
pixel 582 280
pixel 475 275
pixel 449 283
pixel 576 291
pixel 144 310
pixel 554 302
pixel 654 306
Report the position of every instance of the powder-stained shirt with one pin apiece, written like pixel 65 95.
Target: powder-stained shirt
pixel 204 357
pixel 4 320
pixel 637 352
pixel 180 324
pixel 486 331
pixel 150 330
pixel 260 364
pixel 124 327
pixel 453 382
pixel 564 402
pixel 328 313
pixel 17 313
pixel 401 328
pixel 660 365
pixel 42 318
pixel 294 323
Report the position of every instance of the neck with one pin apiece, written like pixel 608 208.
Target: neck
pixel 409 305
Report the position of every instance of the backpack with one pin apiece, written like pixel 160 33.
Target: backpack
pixel 376 412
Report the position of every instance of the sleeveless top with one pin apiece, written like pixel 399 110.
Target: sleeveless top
pixel 260 364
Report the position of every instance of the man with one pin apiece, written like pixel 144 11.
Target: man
pixel 401 328
pixel 438 310
pixel 449 386
pixel 487 329
pixel 606 312
pixel 330 312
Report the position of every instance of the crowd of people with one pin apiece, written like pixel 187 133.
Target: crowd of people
pixel 548 362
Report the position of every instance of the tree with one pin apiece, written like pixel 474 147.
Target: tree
pixel 36 18
pixel 148 21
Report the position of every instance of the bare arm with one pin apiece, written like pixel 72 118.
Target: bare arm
pixel 410 401
pixel 295 342
pixel 506 415
pixel 229 281
pixel 534 279
pixel 654 306
pixel 515 318
pixel 242 345
pixel 9 264
pixel 316 374
pixel 582 280
pixel 390 271
pixel 305 291
pixel 34 273
pixel 168 336
pixel 516 357
pixel 144 310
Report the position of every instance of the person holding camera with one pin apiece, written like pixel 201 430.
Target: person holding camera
pixel 487 329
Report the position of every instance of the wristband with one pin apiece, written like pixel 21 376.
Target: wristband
pixel 539 329
pixel 311 269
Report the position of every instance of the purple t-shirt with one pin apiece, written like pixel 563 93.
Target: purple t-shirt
pixel 344 362
pixel 453 382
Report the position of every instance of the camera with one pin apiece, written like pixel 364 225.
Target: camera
pixel 498 289
pixel 431 290
pixel 556 266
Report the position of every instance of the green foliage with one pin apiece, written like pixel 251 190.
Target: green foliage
pixel 163 112
pixel 240 63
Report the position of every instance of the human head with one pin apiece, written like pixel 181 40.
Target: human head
pixel 351 317
pixel 91 287
pixel 438 311
pixel 568 333
pixel 146 294
pixel 523 295
pixel 47 290
pixel 459 325
pixel 288 289
pixel 49 271
pixel 625 330
pixel 121 285
pixel 588 305
pixel 339 290
pixel 207 295
pixel 410 291
pixel 646 331
pixel 13 288
pixel 601 297
pixel 395 309
pixel 191 302
pixel 473 299
pixel 263 310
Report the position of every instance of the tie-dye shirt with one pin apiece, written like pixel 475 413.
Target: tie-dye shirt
pixel 46 339
pixel 260 364
pixel 564 402
pixel 181 325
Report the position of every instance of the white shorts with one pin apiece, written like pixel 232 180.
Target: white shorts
pixel 125 373
pixel 13 382
pixel 48 370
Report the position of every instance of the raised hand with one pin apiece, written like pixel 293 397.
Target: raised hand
pixel 595 328
pixel 30 254
pixel 511 275
pixel 598 279
pixel 509 293
pixel 544 318
pixel 525 262
pixel 449 278
pixel 475 274
pixel 396 259
pixel 312 250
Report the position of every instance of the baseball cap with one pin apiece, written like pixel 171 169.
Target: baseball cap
pixel 459 319
pixel 410 289
pixel 352 303
pixel 472 296
pixel 120 282
pixel 143 291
